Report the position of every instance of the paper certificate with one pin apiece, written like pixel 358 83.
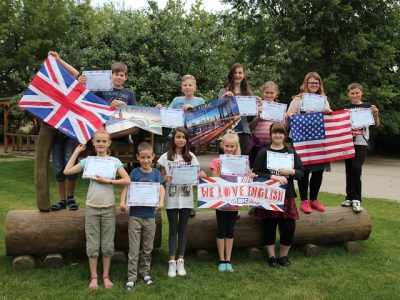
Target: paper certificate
pixel 98 80
pixel 185 175
pixel 361 118
pixel 143 194
pixel 313 102
pixel 273 111
pixel 172 118
pixel 276 160
pixel 234 165
pixel 100 166
pixel 247 105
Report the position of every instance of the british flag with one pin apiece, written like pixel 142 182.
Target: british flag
pixel 55 97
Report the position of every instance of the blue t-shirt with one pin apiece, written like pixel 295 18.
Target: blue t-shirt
pixel 137 175
pixel 180 101
pixel 118 94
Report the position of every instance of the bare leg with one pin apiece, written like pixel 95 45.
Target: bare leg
pixel 284 250
pixel 61 190
pixel 70 187
pixel 228 249
pixel 93 273
pixel 106 272
pixel 172 257
pixel 221 249
pixel 271 250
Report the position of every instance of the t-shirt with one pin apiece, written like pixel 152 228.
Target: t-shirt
pixel 361 136
pixel 177 196
pixel 101 194
pixel 118 94
pixel 137 175
pixel 180 101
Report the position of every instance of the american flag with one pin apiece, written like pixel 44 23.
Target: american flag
pixel 55 97
pixel 319 138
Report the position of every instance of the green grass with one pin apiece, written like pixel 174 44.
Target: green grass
pixel 373 273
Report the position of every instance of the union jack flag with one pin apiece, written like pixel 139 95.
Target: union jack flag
pixel 55 97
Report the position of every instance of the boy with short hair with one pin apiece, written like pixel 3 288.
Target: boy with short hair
pixel 142 225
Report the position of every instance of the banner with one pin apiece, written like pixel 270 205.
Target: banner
pixel 218 192
pixel 209 121
pixel 129 116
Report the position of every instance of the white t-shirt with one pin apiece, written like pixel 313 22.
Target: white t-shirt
pixel 177 196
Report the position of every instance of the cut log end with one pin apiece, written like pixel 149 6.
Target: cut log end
pixel 23 262
pixel 254 253
pixel 119 257
pixel 53 260
pixel 203 255
pixel 351 246
pixel 310 249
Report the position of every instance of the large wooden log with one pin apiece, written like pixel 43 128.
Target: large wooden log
pixel 33 232
pixel 335 225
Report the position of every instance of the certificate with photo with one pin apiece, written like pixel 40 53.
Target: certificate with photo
pixel 313 102
pixel 273 111
pixel 172 118
pixel 185 174
pixel 234 165
pixel 361 118
pixel 276 160
pixel 143 194
pixel 98 80
pixel 248 105
pixel 100 166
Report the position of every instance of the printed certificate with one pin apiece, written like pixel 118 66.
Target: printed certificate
pixel 273 111
pixel 143 194
pixel 248 105
pixel 172 118
pixel 100 166
pixel 98 80
pixel 361 118
pixel 234 165
pixel 185 175
pixel 276 160
pixel 313 102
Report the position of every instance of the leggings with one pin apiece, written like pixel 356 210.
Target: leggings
pixel 315 183
pixel 286 230
pixel 225 223
pixel 177 219
pixel 353 173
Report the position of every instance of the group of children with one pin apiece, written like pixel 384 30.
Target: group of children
pixel 252 136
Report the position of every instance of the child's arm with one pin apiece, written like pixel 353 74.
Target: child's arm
pixel 124 180
pixel 162 195
pixel 71 168
pixel 122 198
pixel 164 174
pixel 375 112
pixel 327 108
pixel 67 66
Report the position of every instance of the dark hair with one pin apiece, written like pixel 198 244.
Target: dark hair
pixel 277 127
pixel 171 154
pixel 119 67
pixel 144 146
pixel 244 86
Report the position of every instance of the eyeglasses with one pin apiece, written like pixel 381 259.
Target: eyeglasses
pixel 313 83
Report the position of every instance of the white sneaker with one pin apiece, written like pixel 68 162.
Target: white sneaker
pixel 357 206
pixel 172 269
pixel 180 267
pixel 347 203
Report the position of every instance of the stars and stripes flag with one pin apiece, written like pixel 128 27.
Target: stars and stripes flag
pixel 55 97
pixel 320 138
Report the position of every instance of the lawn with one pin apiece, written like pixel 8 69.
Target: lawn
pixel 373 273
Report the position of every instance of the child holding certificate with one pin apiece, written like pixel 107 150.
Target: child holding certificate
pixel 142 224
pixel 312 84
pixel 179 198
pixel 100 205
pixel 285 220
pixel 360 137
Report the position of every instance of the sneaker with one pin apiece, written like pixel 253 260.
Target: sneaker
pixel 229 267
pixel 317 206
pixel 347 203
pixel 172 269
pixel 284 261
pixel 147 279
pixel 357 206
pixel 305 206
pixel 129 286
pixel 180 267
pixel 273 262
pixel 222 267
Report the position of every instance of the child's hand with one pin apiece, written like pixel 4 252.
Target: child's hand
pixel 228 94
pixel 80 148
pixel 168 177
pixel 159 106
pixel 100 179
pixel 281 179
pixel 55 54
pixel 259 101
pixel 159 206
pixel 122 207
pixel 202 174
pixel 252 175
pixel 82 79
pixel 116 103
pixel 287 171
pixel 187 107
pixel 374 109
pixel 289 114
pixel 327 110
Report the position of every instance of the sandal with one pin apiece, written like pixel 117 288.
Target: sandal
pixel 71 204
pixel 93 285
pixel 107 282
pixel 62 204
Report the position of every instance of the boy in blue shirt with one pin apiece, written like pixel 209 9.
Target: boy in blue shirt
pixel 142 225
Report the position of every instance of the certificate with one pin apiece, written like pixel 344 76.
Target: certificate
pixel 143 194
pixel 172 118
pixel 276 160
pixel 361 118
pixel 247 105
pixel 98 80
pixel 273 111
pixel 100 166
pixel 234 165
pixel 313 102
pixel 185 175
